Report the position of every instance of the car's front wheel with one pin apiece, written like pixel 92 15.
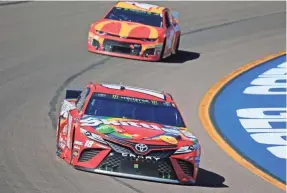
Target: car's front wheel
pixel 163 50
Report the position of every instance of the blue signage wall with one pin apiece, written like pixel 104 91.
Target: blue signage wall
pixel 250 114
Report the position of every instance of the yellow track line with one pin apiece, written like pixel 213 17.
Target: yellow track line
pixel 211 130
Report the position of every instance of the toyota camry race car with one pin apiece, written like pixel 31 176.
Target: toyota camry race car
pixel 127 131
pixel 137 31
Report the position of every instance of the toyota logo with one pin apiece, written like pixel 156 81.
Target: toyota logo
pixel 141 148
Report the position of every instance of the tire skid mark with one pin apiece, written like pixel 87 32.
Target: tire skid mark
pixel 127 185
pixel 54 101
pixel 6 3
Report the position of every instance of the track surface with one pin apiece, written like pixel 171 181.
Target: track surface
pixel 43 51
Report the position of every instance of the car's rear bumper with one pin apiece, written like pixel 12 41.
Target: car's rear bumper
pixel 132 176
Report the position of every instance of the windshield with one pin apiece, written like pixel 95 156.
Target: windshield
pixel 132 15
pixel 134 108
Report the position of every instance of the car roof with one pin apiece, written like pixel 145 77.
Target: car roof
pixel 130 91
pixel 140 6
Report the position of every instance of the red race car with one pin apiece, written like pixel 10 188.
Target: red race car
pixel 137 31
pixel 127 131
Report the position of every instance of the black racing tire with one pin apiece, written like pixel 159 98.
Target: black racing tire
pixel 163 49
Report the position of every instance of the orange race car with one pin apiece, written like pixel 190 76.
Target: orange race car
pixel 137 31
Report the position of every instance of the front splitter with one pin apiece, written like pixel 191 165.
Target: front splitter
pixel 139 177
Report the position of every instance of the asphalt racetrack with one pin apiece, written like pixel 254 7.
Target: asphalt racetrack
pixel 43 51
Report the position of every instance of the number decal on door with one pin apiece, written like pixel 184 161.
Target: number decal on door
pixel 89 143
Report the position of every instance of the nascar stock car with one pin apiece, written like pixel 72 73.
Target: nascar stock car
pixel 127 131
pixel 136 31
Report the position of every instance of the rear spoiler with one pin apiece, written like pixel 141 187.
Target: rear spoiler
pixel 72 94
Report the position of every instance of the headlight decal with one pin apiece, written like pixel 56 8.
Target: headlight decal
pixel 92 136
pixel 185 149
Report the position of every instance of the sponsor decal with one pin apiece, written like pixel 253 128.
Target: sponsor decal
pixel 66 107
pixel 108 126
pixel 76 147
pixel 65 130
pixel 134 100
pixel 92 136
pixel 142 5
pixel 141 148
pixel 169 139
pixel 102 95
pixel 62 145
pixel 62 142
pixel 140 157
pixel 75 153
pixel 61 139
pixel 78 143
pixel 189 136
pixel 94 122
pixel 170 39
pixel 171 130
pixel 189 158
pixel 105 129
pixel 142 90
pixel 167 104
pixel 69 126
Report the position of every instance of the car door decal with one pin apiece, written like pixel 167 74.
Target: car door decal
pixel 170 39
pixel 69 126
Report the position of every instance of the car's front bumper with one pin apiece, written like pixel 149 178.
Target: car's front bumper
pixel 132 176
pixel 169 168
pixel 118 157
pixel 119 47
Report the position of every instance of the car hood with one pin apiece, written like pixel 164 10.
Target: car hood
pixel 128 29
pixel 137 131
